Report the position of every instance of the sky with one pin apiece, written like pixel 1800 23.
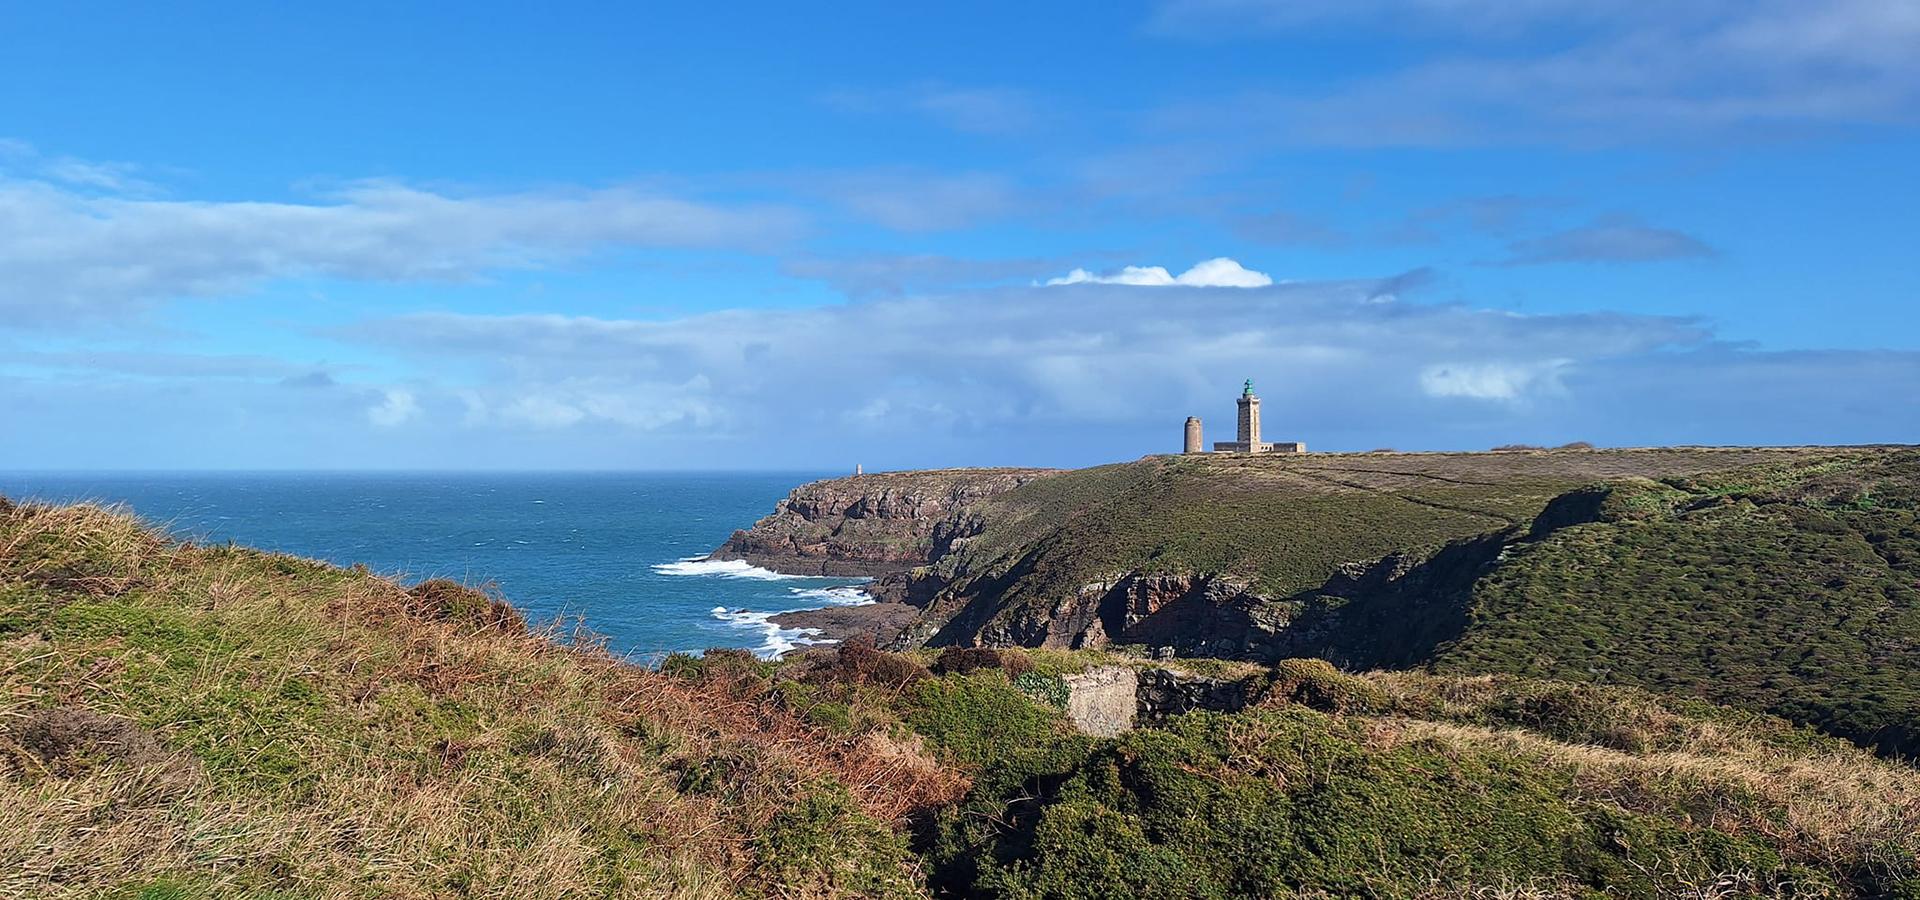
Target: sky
pixel 796 236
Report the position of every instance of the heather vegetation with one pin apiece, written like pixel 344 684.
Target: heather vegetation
pixel 192 721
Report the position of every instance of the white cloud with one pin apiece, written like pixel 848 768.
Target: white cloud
pixel 67 255
pixel 918 201
pixel 1017 375
pixel 984 361
pixel 1217 272
pixel 395 408
pixel 1608 239
pixel 973 110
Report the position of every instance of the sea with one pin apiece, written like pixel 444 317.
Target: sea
pixel 623 553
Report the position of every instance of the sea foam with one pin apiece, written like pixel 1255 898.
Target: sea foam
pixel 834 596
pixel 778 640
pixel 724 568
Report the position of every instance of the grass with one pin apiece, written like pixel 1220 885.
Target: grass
pixel 1276 527
pixel 1793 589
pixel 1784 581
pixel 322 732
pixel 1437 787
pixel 184 721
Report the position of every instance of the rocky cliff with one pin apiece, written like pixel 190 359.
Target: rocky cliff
pixel 870 525
pixel 1785 579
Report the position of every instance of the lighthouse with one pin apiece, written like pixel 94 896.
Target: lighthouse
pixel 1249 433
pixel 1246 435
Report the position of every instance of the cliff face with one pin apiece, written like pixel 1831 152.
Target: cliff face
pixel 871 525
pixel 1364 559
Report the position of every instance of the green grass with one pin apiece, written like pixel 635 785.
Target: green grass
pixel 1779 595
pixel 242 724
pixel 217 722
pixel 1785 581
pixel 1280 527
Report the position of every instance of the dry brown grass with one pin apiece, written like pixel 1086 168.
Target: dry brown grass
pixel 330 735
pixel 1838 806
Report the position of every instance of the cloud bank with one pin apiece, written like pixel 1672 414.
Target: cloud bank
pixel 1002 375
pixel 68 254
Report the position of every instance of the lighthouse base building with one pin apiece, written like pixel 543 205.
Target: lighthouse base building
pixel 1247 436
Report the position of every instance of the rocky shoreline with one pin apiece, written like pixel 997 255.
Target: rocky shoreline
pixel 880 621
pixel 867 526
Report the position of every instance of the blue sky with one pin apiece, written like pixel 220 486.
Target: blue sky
pixel 772 236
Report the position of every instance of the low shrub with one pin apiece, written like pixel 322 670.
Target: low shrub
pixel 1316 684
pixel 962 660
pixel 859 662
pixel 1049 689
pixel 451 601
pixel 980 719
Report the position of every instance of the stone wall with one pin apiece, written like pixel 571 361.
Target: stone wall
pixel 1109 700
pixel 1102 701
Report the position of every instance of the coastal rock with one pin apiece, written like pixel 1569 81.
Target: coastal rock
pixel 871 525
pixel 881 622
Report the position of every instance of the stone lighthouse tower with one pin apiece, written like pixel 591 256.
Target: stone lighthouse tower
pixel 1249 433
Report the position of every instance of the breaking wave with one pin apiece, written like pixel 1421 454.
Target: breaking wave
pixel 834 596
pixel 778 640
pixel 724 568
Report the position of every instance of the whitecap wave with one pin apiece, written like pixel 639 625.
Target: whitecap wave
pixel 834 596
pixel 723 568
pixel 778 640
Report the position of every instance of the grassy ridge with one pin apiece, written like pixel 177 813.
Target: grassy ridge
pixel 1791 588
pixel 1784 580
pixel 1283 525
pixel 211 721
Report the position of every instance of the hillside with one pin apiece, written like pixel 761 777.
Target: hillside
pixel 186 721
pixel 1778 579
pixel 183 721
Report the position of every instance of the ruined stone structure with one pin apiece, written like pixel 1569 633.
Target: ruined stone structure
pixel 1247 439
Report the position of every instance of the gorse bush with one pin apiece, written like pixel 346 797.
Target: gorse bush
pixel 440 598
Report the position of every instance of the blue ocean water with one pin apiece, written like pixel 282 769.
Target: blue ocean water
pixel 619 549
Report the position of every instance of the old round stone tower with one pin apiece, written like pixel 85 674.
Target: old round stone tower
pixel 1193 444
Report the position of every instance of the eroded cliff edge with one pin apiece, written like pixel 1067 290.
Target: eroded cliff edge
pixel 869 525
